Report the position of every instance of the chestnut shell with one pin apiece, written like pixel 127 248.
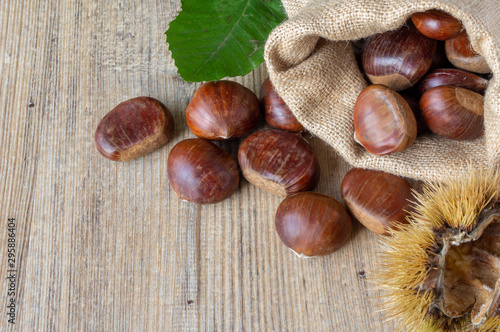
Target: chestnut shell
pixel 312 224
pixel 377 199
pixel 384 123
pixel 201 172
pixel 277 113
pixel 437 24
pixel 134 128
pixel 398 59
pixel 222 110
pixel 279 162
pixel 461 54
pixel 453 112
pixel 453 77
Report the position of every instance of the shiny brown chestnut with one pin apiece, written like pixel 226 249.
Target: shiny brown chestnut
pixel 436 24
pixel 398 59
pixel 453 112
pixel 461 54
pixel 279 162
pixel 453 77
pixel 312 224
pixel 277 113
pixel 222 110
pixel 134 128
pixel 383 121
pixel 378 200
pixel 200 172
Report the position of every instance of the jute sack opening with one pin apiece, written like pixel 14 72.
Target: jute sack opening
pixel 312 66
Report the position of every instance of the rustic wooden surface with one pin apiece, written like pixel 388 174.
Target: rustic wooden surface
pixel 106 246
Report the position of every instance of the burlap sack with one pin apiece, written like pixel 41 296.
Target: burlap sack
pixel 313 69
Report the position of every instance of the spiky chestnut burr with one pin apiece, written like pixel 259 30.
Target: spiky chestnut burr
pixel 442 270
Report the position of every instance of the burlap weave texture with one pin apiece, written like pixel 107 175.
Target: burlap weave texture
pixel 312 66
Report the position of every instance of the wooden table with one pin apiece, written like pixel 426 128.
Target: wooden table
pixel 106 246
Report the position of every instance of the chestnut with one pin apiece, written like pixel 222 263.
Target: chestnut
pixel 453 77
pixel 312 224
pixel 453 112
pixel 436 24
pixel 279 162
pixel 277 113
pixel 378 200
pixel 134 128
pixel 398 59
pixel 200 172
pixel 461 54
pixel 222 110
pixel 383 121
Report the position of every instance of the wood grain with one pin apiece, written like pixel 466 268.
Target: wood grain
pixel 106 246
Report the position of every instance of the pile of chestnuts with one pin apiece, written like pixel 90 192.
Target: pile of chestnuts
pixel 278 160
pixel 416 62
pixel 401 64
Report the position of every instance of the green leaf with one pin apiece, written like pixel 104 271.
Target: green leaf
pixel 212 39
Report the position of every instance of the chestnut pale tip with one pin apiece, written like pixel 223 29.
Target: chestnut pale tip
pixel 356 138
pixel 300 256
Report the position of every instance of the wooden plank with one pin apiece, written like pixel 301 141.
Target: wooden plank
pixel 108 246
